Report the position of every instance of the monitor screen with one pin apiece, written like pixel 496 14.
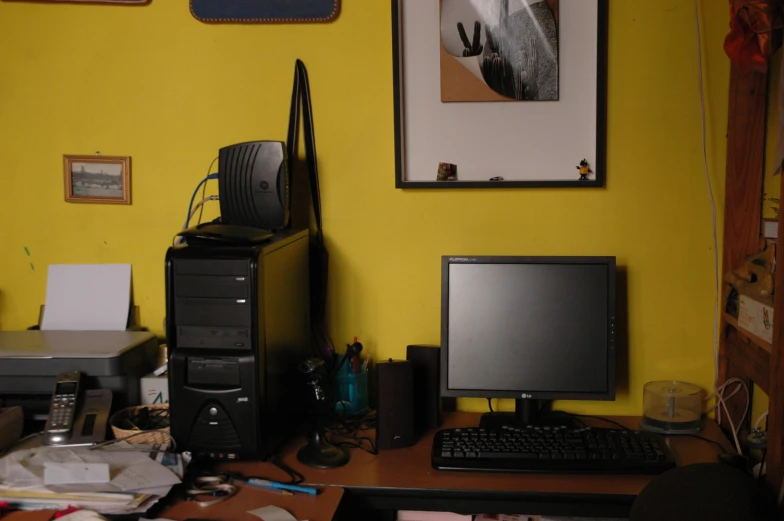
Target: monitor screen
pixel 528 327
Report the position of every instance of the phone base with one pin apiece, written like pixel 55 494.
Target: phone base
pixel 90 421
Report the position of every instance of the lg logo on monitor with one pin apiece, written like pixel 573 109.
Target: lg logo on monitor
pixel 526 395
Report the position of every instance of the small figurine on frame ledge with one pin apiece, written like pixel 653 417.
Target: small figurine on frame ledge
pixel 584 170
pixel 446 172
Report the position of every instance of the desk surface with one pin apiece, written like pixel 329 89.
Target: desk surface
pixel 407 473
pixel 301 506
pixel 410 467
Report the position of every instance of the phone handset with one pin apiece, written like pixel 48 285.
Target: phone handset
pixel 60 423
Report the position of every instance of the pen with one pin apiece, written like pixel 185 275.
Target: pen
pixel 270 489
pixel 274 484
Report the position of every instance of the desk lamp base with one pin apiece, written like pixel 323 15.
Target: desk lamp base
pixel 321 454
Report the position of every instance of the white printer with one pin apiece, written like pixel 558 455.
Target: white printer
pixel 31 360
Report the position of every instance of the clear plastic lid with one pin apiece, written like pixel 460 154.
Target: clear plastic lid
pixel 671 407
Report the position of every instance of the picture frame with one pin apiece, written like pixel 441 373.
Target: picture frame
pixel 110 2
pixel 511 143
pixel 97 179
pixel 243 11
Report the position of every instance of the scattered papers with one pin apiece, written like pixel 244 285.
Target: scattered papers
pixel 272 513
pixel 144 476
pixel 82 515
pixel 50 477
pixel 73 473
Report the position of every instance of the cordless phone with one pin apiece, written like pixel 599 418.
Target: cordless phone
pixel 59 424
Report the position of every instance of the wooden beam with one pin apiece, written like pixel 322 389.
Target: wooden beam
pixel 745 163
pixel 748 360
pixel 775 455
pixel 743 191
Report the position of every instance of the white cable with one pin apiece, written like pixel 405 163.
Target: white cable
pixel 712 200
pixel 760 419
pixel 721 401
pixel 178 239
pixel 198 205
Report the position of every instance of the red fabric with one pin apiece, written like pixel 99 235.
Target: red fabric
pixel 748 44
pixel 62 513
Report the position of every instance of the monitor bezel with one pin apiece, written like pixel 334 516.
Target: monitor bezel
pixel 608 395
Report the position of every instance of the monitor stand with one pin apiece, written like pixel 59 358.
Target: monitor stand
pixel 527 412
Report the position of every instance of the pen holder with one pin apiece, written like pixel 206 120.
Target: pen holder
pixel 351 393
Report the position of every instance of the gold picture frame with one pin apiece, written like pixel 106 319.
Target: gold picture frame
pixel 97 179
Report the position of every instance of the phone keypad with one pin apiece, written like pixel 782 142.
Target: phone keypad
pixel 63 407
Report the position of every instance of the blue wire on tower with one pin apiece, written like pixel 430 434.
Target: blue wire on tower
pixel 193 197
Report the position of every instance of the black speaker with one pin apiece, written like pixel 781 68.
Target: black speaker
pixel 254 184
pixel 425 361
pixel 394 404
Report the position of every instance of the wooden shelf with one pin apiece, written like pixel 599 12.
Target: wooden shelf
pixel 751 337
pixel 748 360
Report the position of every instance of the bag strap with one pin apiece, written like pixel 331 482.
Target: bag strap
pixel 301 92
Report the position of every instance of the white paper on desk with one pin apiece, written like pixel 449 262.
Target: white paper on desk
pixel 130 471
pixel 144 476
pixel 82 515
pixel 87 297
pixel 114 457
pixel 73 473
pixel 272 513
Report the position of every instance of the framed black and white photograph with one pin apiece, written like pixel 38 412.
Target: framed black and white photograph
pixel 500 93
pixel 97 179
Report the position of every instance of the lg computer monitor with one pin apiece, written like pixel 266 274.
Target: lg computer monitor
pixel 528 328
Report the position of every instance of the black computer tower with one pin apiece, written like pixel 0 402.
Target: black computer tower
pixel 237 326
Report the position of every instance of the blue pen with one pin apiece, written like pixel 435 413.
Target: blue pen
pixel 282 486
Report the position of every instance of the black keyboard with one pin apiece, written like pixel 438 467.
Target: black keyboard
pixel 551 449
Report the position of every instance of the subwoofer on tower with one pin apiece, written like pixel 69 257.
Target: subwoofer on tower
pixel 254 185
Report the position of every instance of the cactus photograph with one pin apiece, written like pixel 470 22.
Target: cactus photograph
pixel 499 50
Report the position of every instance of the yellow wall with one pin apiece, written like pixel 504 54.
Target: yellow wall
pixel 155 84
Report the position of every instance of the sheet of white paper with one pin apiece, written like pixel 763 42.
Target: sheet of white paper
pixel 72 473
pixel 82 515
pixel 118 458
pixel 144 476
pixel 272 513
pixel 13 473
pixel 87 297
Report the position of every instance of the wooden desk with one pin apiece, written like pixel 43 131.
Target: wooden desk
pixel 404 479
pixel 301 506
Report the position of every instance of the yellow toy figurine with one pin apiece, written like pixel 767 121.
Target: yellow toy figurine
pixel 584 170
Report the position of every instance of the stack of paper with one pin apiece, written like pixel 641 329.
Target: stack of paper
pixel 115 480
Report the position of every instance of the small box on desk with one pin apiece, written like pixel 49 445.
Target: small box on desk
pixel 756 318
pixel 154 389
